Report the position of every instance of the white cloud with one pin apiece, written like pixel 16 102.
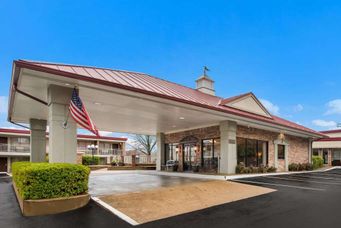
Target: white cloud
pixel 298 108
pixel 325 123
pixel 272 108
pixel 334 107
pixel 3 104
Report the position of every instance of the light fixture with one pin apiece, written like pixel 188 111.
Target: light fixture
pixel 281 136
pixel 97 103
pixel 67 84
pixel 92 147
pixel 181 118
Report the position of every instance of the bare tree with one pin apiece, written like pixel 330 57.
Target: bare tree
pixel 144 143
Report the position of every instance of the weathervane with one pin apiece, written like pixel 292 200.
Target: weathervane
pixel 205 70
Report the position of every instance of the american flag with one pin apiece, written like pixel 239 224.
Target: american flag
pixel 79 113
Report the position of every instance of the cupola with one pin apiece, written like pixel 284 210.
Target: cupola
pixel 205 84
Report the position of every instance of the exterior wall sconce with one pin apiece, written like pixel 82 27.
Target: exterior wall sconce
pixel 281 137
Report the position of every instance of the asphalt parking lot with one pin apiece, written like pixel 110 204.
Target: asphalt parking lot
pixel 301 200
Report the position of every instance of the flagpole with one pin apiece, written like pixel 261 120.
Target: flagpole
pixel 65 123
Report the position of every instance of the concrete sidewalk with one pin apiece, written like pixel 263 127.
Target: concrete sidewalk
pixel 207 176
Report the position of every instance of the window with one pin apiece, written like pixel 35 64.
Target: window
pixel 281 151
pixel 251 151
pixel 23 140
pixel 325 156
pixel 210 153
pixel 315 152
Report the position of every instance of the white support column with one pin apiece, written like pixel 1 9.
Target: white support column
pixel 228 147
pixel 62 141
pixel 286 153
pixel 9 165
pixel 264 155
pixel 38 140
pixel 276 155
pixel 286 157
pixel 160 144
pixel 310 153
pixel 8 143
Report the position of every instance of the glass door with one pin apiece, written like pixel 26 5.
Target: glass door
pixel 189 156
pixel 325 156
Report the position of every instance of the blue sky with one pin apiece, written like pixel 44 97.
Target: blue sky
pixel 287 52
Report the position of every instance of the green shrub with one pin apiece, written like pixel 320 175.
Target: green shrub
pixel 89 160
pixel 271 169
pixel 241 168
pixel 262 169
pixel 49 180
pixel 309 166
pixel 317 162
pixel 300 166
pixel 293 167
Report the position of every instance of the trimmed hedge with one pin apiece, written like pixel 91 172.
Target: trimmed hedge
pixel 50 180
pixel 317 161
pixel 89 160
pixel 241 169
pixel 300 166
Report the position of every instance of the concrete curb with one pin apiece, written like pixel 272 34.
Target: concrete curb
pixel 116 212
pixel 211 177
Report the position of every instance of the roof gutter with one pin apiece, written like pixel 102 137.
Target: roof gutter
pixel 29 95
pixel 20 125
pixel 13 89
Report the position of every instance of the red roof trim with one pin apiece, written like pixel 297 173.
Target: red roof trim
pixel 16 131
pixel 101 137
pixel 331 131
pixel 27 132
pixel 33 66
pixel 328 139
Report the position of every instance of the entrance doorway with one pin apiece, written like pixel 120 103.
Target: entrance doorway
pixel 325 156
pixel 3 164
pixel 190 157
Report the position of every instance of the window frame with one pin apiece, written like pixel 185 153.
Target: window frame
pixel 278 154
pixel 258 142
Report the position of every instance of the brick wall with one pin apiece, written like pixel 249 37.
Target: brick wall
pixel 201 133
pixel 298 149
pixel 79 158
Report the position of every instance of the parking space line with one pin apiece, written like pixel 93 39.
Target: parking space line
pixel 317 177
pixel 329 174
pixel 279 185
pixel 303 180
pixel 115 211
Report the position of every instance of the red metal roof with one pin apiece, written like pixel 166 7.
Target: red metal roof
pixel 332 139
pixel 147 84
pixel 331 131
pixel 28 132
